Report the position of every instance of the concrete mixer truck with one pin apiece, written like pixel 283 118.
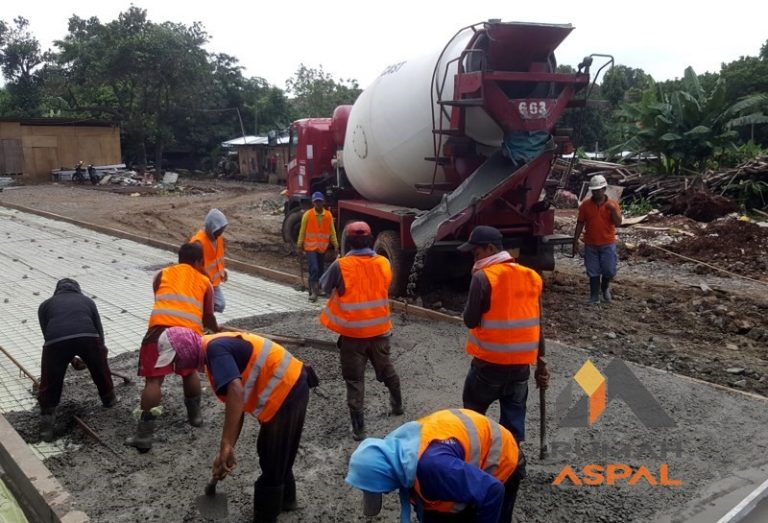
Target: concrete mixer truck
pixel 442 143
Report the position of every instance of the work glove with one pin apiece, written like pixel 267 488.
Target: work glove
pixel 78 364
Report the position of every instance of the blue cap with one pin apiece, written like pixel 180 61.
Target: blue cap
pixel 318 196
pixel 482 235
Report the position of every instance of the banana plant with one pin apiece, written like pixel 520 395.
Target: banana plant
pixel 686 128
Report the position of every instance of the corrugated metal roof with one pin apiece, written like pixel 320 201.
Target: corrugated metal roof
pixel 253 140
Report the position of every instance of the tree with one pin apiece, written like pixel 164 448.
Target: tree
pixel 687 127
pixel 316 93
pixel 623 84
pixel 20 58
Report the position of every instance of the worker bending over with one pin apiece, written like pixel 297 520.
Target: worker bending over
pixel 358 310
pixel 183 298
pixel 71 327
pixel 316 233
pixel 503 313
pixel 211 239
pixel 452 466
pixel 254 375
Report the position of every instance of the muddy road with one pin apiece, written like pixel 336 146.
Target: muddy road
pixel 163 485
pixel 668 313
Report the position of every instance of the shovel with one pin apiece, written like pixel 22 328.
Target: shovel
pixel 213 505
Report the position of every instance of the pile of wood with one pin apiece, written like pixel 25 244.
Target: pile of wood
pixel 659 189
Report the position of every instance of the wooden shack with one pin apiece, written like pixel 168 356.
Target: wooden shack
pixel 35 146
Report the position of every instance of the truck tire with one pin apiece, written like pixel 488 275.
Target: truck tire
pixel 291 226
pixel 387 244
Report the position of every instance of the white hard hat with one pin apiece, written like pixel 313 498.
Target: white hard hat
pixel 597 182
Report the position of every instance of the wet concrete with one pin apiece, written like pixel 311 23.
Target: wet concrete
pixel 706 445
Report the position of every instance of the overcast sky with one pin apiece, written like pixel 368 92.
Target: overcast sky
pixel 358 39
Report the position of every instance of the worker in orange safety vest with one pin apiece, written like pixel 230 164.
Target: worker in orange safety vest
pixel 452 466
pixel 316 233
pixel 183 298
pixel 211 239
pixel 503 313
pixel 255 375
pixel 358 310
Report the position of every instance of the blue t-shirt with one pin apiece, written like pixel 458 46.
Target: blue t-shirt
pixel 227 358
pixel 444 476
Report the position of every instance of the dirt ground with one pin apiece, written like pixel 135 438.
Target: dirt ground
pixel 668 312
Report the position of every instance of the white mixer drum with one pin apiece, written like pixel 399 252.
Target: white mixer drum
pixel 389 132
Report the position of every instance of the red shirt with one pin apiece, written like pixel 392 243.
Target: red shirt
pixel 598 223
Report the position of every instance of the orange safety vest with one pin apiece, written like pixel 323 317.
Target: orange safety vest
pixel 317 237
pixel 487 445
pixel 179 298
pixel 213 257
pixel 269 376
pixel 509 331
pixel 363 310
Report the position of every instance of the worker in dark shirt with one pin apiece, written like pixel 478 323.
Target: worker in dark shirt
pixel 503 313
pixel 71 328
pixel 184 298
pixel 254 375
pixel 452 466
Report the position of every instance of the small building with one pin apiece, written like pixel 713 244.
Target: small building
pixel 260 157
pixel 36 146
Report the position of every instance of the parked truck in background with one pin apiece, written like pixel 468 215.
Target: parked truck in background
pixel 442 143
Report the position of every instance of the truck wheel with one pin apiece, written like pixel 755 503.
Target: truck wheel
pixel 388 245
pixel 291 226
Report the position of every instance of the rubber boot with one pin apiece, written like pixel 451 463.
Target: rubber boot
pixel 312 291
pixel 142 440
pixel 267 503
pixel 47 423
pixel 194 415
pixel 395 396
pixel 604 288
pixel 289 495
pixel 109 400
pixel 358 424
pixel 594 290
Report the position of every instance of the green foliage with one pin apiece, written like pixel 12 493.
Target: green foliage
pixel 316 93
pixel 637 207
pixel 687 127
pixel 20 59
pixel 751 194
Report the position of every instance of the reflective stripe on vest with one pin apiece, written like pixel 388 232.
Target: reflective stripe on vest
pixel 317 237
pixel 487 445
pixel 268 377
pixel 179 298
pixel 363 310
pixel 213 256
pixel 509 331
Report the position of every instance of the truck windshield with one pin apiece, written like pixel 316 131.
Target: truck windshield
pixel 293 140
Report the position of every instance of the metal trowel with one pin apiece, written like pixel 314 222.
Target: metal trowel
pixel 213 505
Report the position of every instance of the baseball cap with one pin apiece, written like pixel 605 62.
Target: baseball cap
pixel 481 235
pixel 371 503
pixel 358 229
pixel 318 196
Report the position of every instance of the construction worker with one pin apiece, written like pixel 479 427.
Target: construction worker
pixel 183 298
pixel 316 233
pixel 71 328
pixel 255 375
pixel 211 239
pixel 453 466
pixel 600 216
pixel 503 313
pixel 358 310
